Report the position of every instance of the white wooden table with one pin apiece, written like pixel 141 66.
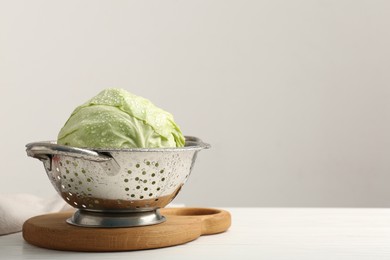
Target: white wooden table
pixel 259 233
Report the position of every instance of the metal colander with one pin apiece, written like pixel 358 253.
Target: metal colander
pixel 117 187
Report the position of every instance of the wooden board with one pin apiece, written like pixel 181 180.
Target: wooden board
pixel 182 225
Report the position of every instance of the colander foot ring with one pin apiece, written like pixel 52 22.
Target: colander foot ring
pixel 85 218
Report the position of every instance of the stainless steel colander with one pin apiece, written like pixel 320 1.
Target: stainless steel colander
pixel 117 187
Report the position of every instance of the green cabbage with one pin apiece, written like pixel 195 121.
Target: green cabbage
pixel 116 118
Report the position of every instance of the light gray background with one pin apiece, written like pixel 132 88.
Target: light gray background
pixel 293 96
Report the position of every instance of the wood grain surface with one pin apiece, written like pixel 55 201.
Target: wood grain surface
pixel 182 225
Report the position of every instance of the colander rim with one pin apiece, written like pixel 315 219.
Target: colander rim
pixel 192 143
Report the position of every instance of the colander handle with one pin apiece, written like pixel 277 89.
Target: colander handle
pixel 44 151
pixel 195 141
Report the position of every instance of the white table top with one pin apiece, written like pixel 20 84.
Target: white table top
pixel 259 233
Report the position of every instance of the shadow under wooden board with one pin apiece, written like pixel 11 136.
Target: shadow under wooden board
pixel 182 225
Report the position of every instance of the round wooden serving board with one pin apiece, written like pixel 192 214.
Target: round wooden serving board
pixel 182 225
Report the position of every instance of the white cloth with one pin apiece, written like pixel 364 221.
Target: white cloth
pixel 15 209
